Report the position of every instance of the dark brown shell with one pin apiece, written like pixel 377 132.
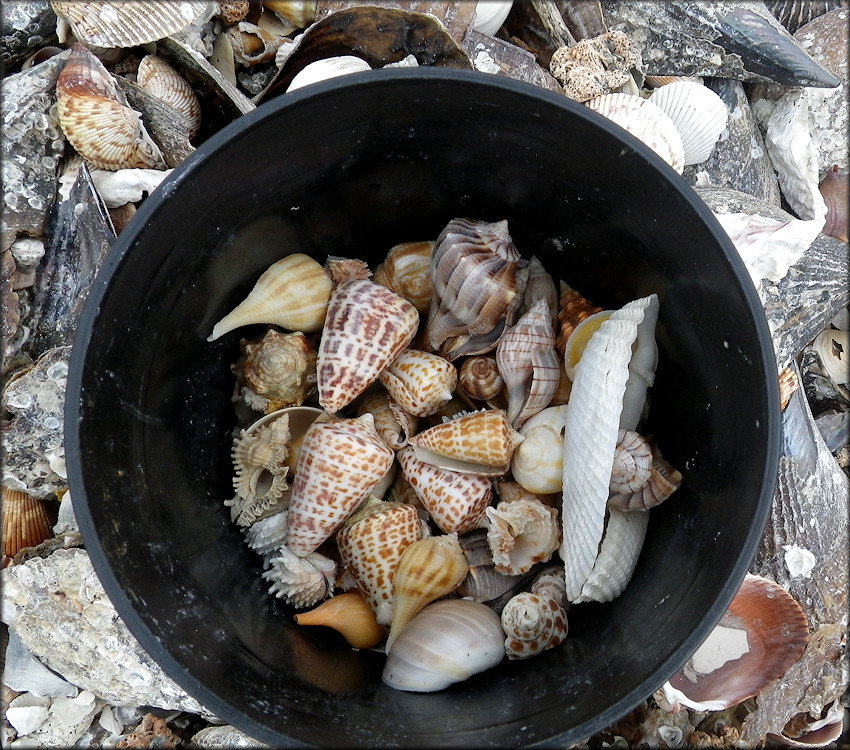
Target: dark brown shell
pixel 26 521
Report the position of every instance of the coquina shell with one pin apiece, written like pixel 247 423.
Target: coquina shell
pixel 646 121
pixel 447 642
pixel 26 522
pixel 537 462
pixel 96 119
pixel 406 270
pixel 521 534
pixel 158 78
pixel 532 623
pixel 292 293
pixel 420 382
pixel 367 326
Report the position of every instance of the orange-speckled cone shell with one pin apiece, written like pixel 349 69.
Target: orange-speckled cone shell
pixel 26 522
pixel 371 546
pixel 572 309
pixel 454 500
pixel 340 463
pixel 367 326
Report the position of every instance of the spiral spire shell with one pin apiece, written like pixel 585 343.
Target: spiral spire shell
pixel 532 623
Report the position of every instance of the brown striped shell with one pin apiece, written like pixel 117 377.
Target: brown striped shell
pixel 157 77
pixel 632 462
pixel 532 623
pixel 483 582
pixel 393 424
pixel 405 271
pixel 662 481
pixel 479 378
pixel 572 309
pixel 26 521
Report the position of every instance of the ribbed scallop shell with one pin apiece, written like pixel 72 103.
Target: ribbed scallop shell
pixel 632 462
pixel 481 442
pixel 537 463
pixel 367 326
pixel 157 77
pixel 662 482
pixel 292 293
pixel 455 501
pixel 406 270
pixel 26 522
pixel 646 121
pixel 479 378
pixel 340 463
pixel 532 624
pixel 349 614
pixel 447 642
pixel 392 423
pixel 420 382
pixel 572 309
pixel 427 570
pixel 96 120
pixel 521 534
pixel 528 362
pixel 483 582
pixel 370 545
pixel 698 113
pixel 131 22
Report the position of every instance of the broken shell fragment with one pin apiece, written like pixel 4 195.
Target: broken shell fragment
pixel 349 614
pixel 26 521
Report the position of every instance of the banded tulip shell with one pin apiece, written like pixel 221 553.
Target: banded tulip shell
pixel 528 362
pixel 96 119
pixel 532 623
pixel 420 382
pixel 157 77
pixel 592 424
pixel 537 463
pixel 455 501
pixel 572 309
pixel 479 378
pixel 292 293
pixel 367 326
pixel 481 442
pixel 26 521
pixel 340 463
pixel 521 534
pixel 447 642
pixel 393 424
pixel 405 270
pixel 428 569
pixel 370 544
pixel 698 113
pixel 349 614
pixel 483 582
pixel 646 121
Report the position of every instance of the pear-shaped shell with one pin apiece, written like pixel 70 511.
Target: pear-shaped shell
pixel 447 642
pixel 405 270
pixel 528 363
pixel 301 580
pixel 697 112
pixel 427 570
pixel 96 119
pixel 481 442
pixel 479 378
pixel 340 463
pixel 532 624
pixel 537 463
pixel 292 293
pixel 26 522
pixel 393 424
pixel 646 121
pixel 366 328
pixel 157 77
pixel 349 614
pixel 455 501
pixel 521 534
pixel 420 382
pixel 572 309
pixel 370 545
pixel 483 582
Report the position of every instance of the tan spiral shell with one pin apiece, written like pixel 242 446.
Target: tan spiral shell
pixel 393 424
pixel 479 378
pixel 632 462
pixel 662 481
pixel 532 623
pixel 158 78
pixel 420 382
pixel 405 270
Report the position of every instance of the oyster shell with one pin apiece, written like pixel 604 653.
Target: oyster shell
pixel 419 382
pixel 532 623
pixel 522 533
pixel 349 614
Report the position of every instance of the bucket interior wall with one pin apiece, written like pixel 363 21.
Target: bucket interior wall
pixel 349 170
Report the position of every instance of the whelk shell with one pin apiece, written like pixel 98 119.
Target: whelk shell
pixel 532 623
pixel 447 642
pixel 158 78
pixel 292 293
pixel 521 534
pixel 420 382
pixel 405 270
pixel 349 614
pixel 26 522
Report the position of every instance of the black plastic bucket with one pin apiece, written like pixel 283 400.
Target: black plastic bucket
pixel 350 167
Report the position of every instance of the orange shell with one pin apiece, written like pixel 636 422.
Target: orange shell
pixel 573 308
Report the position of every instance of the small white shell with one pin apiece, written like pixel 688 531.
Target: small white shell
pixel 490 15
pixel 329 67
pixel 301 581
pixel 537 462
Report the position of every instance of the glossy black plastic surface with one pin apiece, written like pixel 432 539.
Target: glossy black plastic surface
pixel 350 167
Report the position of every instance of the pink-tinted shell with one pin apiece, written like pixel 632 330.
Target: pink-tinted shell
pixel 834 189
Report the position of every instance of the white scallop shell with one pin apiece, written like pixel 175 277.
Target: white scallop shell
pixel 646 121
pixel 698 113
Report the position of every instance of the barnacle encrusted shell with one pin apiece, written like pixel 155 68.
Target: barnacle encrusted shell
pixel 367 326
pixel 292 293
pixel 420 382
pixel 405 270
pixel 392 423
pixel 594 66
pixel 447 642
pixel 96 119
pixel 537 462
pixel 532 623
pixel 26 521
pixel 158 78
pixel 349 614
pixel 522 533
pixel 301 580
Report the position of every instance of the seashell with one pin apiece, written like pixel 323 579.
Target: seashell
pixel 478 296
pixel 158 78
pixel 593 420
pixel 479 378
pixel 632 462
pixel 455 501
pixel 835 189
pixel 483 582
pixel 572 309
pixel 655 82
pixel 447 642
pixel 349 614
pixel 509 490
pixel 833 350
pixel 663 481
pixel 793 14
pixel 127 24
pixel 370 544
pixel 490 15
pixel 392 423
pixel 340 463
pixel 584 19
pixel 578 339
pixel 540 285
pixel 550 584
pixel 222 59
pixel 292 293
pixel 419 382
pixel 346 269
pixel 96 120
pixel 251 44
pixel 266 535
pixel 521 534
pixel 300 13
pixel 300 580
pixel 405 270
pixel 280 368
pixel 594 66
pixel 537 462
pixel 528 362
pixel 532 624
pixel 698 113
pixel 427 570
pixel 26 521
pixel 808 730
pixel 646 121
pixel 231 12
pixel 328 67
pixel 366 328
pixel 481 442
pixel 788 384
pixel 760 636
